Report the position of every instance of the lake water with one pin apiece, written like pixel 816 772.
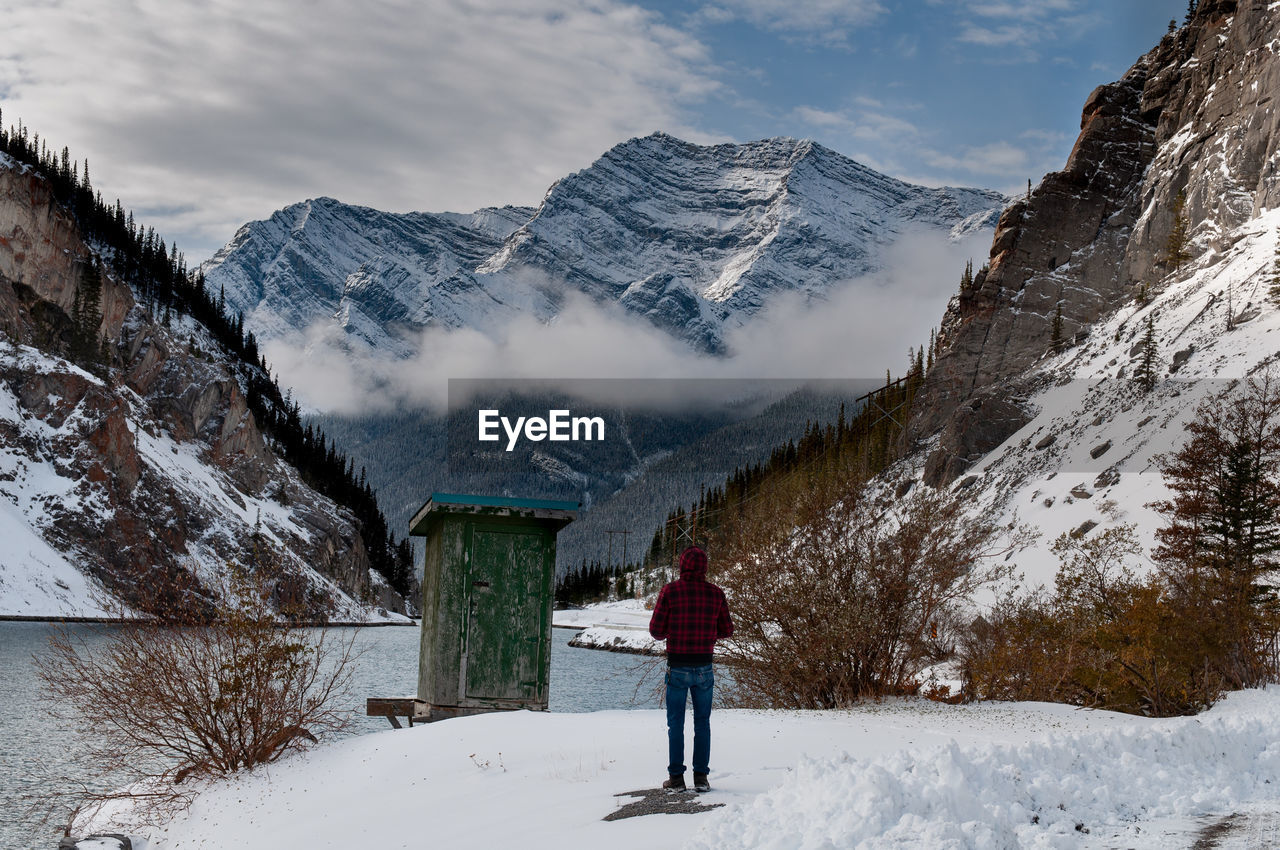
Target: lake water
pixel 39 754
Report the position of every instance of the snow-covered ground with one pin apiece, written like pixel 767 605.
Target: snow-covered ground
pixel 902 773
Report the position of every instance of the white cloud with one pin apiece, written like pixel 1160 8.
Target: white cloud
pixel 1008 35
pixel 1005 164
pixel 1023 9
pixel 205 115
pixel 822 21
pixel 995 158
pixel 861 329
pixel 1047 138
pixel 865 124
pixel 1017 26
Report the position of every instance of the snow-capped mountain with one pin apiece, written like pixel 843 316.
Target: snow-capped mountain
pixel 147 475
pixel 375 273
pixel 1065 439
pixel 693 238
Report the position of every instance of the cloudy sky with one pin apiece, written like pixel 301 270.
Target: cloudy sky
pixel 203 115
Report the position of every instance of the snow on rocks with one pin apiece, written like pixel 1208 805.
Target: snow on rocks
pixel 52 504
pixel 619 626
pixel 631 639
pixel 1085 398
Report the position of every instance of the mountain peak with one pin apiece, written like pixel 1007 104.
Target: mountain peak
pixel 775 150
pixel 694 238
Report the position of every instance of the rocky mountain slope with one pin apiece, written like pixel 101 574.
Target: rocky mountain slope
pixel 695 239
pixel 141 472
pixel 376 274
pixel 1064 438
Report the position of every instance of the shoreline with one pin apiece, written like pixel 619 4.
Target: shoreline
pixel 616 644
pixel 112 621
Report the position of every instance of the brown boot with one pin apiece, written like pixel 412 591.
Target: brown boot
pixel 674 782
pixel 700 783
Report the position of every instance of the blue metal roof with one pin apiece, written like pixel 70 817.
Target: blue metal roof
pixel 551 511
pixel 503 502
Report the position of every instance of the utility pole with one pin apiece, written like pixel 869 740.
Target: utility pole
pixel 624 532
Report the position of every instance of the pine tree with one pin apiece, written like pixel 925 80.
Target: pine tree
pixel 1224 516
pixel 1176 253
pixel 1191 10
pixel 1056 340
pixel 1274 291
pixel 1148 373
pixel 86 316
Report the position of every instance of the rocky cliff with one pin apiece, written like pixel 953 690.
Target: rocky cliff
pixel 1193 119
pixel 1062 438
pixel 695 239
pixel 138 470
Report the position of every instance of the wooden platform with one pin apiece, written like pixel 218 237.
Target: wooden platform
pixel 393 708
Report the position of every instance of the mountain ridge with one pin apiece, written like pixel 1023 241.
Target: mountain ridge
pixel 695 239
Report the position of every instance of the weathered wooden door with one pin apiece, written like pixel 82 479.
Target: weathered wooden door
pixel 505 613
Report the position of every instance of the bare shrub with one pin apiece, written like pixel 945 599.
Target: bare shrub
pixel 1169 643
pixel 184 694
pixel 1103 638
pixel 837 597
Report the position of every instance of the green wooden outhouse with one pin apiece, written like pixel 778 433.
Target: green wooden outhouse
pixel 487 589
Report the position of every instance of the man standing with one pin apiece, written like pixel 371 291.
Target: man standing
pixel 691 615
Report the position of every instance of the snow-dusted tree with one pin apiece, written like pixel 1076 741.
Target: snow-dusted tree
pixel 1056 340
pixel 1175 249
pixel 1222 540
pixel 1148 372
pixel 1274 292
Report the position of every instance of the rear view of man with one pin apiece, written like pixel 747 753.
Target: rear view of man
pixel 691 615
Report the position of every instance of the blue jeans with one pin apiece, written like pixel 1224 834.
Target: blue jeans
pixel 697 683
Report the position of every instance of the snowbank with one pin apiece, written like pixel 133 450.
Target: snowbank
pixel 621 626
pixel 632 639
pixel 903 773
pixel 1047 793
pixel 624 612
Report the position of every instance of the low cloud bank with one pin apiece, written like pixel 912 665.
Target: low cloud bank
pixel 862 328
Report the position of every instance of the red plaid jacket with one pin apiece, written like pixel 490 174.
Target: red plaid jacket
pixel 691 613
